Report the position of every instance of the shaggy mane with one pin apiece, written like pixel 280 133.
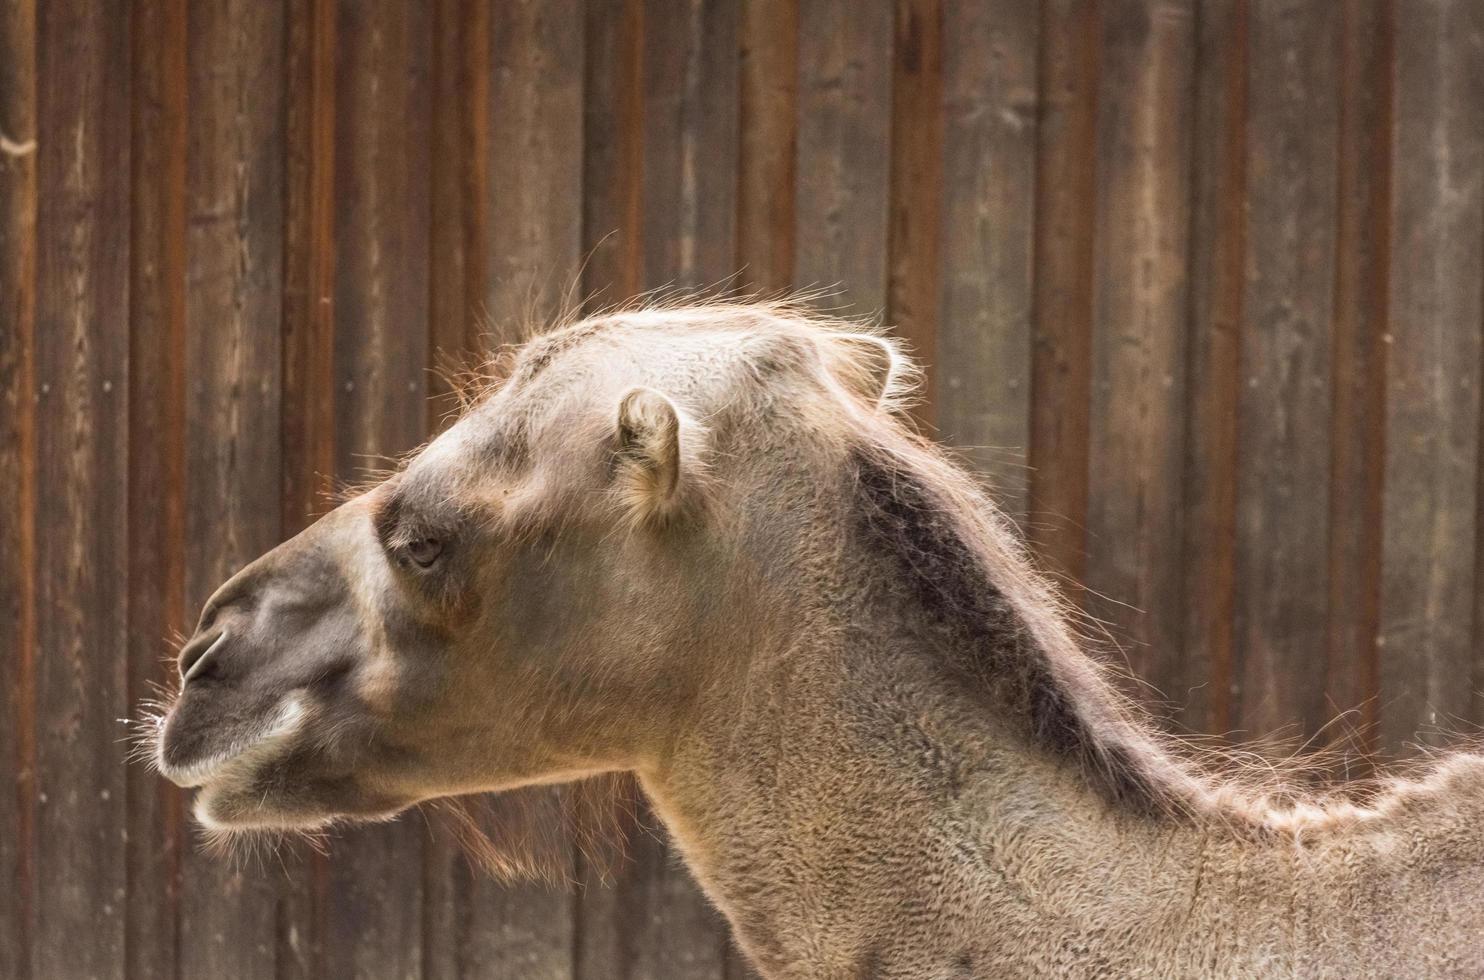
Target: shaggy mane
pixel 902 517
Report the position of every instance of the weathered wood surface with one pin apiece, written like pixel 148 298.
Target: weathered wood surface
pixel 1136 433
pixel 78 869
pixel 982 333
pixel 1285 402
pixel 1431 480
pixel 1197 282
pixel 18 187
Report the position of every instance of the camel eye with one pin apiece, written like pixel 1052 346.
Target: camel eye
pixel 425 551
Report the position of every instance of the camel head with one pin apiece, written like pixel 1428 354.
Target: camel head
pixel 541 593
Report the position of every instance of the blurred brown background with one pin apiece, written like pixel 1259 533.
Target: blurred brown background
pixel 1198 284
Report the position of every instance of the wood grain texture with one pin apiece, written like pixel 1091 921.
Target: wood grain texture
pixel 452 327
pixel 916 188
pixel 535 164
pixel 234 187
pixel 157 455
pixel 82 386
pixel 1061 365
pixel 768 126
pixel 613 151
pixel 308 430
pixel 1218 223
pixel 18 185
pixel 689 214
pixel 1286 349
pixel 983 358
pixel 1429 588
pixel 842 162
pixel 1362 287
pixel 372 920
pixel 1136 440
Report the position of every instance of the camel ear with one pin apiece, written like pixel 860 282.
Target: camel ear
pixel 871 366
pixel 649 451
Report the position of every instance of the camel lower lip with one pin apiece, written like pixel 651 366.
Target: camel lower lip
pixel 203 772
pixel 215 767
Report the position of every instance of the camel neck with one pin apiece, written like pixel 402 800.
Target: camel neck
pixel 895 829
pixel 858 821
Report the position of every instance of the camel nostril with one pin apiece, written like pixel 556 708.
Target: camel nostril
pixel 197 658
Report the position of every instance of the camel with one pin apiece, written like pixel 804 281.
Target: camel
pixel 703 546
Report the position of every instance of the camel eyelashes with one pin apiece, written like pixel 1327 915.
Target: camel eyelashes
pixel 424 552
pixel 405 541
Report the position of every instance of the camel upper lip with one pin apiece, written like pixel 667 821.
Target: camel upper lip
pixel 241 753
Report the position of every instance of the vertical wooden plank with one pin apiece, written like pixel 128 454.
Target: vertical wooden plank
pixel 531 207
pixel 916 187
pixel 234 202
pixel 478 76
pixel 82 355
pixel 844 104
pixel 612 151
pixel 1362 281
pixel 1285 403
pixel 1432 405
pixel 1217 251
pixel 768 126
pixel 990 59
pixel 451 324
pixel 534 209
pixel 1136 439
pixel 307 374
pixel 690 144
pixel 374 914
pixel 157 404
pixel 445 876
pixel 18 129
pixel 309 262
pixel 1061 364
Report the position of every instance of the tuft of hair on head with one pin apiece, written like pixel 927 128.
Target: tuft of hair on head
pixel 872 368
pixel 469 377
pixel 658 458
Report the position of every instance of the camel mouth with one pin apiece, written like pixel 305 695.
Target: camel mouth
pixel 244 755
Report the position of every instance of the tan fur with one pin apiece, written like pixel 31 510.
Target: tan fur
pixel 864 718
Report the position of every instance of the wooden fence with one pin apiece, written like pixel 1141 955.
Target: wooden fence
pixel 1199 285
